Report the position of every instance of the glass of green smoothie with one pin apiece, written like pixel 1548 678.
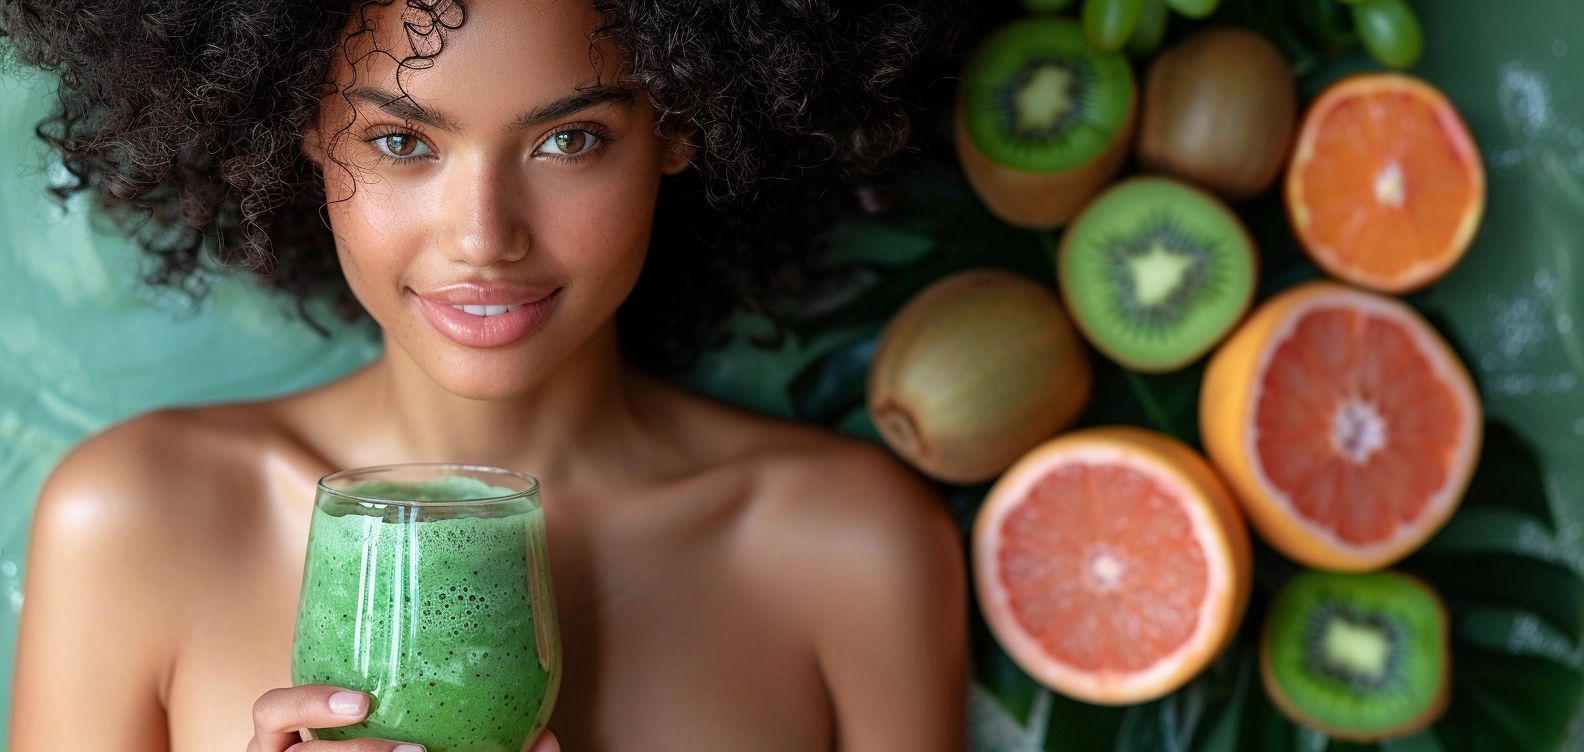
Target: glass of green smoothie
pixel 428 587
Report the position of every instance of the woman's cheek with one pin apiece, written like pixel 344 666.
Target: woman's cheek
pixel 377 231
pixel 606 237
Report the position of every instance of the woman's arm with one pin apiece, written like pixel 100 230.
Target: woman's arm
pixel 94 638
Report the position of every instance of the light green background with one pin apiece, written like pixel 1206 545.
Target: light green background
pixel 82 345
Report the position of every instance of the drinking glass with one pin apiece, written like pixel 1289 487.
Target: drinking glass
pixel 428 587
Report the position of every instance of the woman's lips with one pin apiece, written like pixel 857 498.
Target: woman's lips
pixel 485 325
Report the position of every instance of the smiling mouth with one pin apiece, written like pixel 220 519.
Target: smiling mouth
pixel 487 325
pixel 486 310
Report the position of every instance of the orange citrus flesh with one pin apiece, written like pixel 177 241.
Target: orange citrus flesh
pixel 1386 188
pixel 1345 425
pixel 1072 546
pixel 1112 564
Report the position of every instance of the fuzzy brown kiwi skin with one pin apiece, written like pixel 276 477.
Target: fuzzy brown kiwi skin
pixel 1042 200
pixel 1279 698
pixel 975 445
pixel 1220 109
pixel 1134 365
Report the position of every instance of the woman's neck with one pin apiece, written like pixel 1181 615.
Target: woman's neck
pixel 583 408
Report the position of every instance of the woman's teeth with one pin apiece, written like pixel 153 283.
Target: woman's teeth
pixel 486 310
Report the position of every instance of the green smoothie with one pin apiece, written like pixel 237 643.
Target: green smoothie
pixel 432 611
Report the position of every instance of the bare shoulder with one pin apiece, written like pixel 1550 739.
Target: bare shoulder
pixel 132 487
pixel 109 577
pixel 844 509
pixel 145 461
pixel 859 555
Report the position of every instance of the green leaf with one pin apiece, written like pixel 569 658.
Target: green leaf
pixel 871 242
pixel 1223 735
pixel 1424 741
pixel 1495 530
pixel 1168 403
pixel 748 375
pixel 1509 702
pixel 1549 590
pixel 1516 632
pixel 834 386
pixel 1508 475
pixel 857 423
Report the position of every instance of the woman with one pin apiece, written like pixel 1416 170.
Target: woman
pixel 489 174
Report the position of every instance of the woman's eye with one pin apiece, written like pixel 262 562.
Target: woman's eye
pixel 569 143
pixel 401 145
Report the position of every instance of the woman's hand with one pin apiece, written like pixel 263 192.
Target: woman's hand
pixel 280 713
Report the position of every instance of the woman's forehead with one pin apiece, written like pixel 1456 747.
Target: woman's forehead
pixel 452 53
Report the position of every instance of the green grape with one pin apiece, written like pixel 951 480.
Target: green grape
pixel 1193 8
pixel 1390 31
pixel 1109 23
pixel 1151 29
pixel 1045 6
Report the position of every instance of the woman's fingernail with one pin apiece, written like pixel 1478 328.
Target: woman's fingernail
pixel 408 748
pixel 349 703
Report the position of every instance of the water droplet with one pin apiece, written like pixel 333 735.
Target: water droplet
pixel 1559 48
pixel 1578 426
pixel 1564 323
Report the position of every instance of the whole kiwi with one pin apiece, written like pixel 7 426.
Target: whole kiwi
pixel 1219 110
pixel 973 372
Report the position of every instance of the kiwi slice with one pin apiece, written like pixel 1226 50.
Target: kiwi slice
pixel 1044 120
pixel 1038 98
pixel 1156 272
pixel 1361 657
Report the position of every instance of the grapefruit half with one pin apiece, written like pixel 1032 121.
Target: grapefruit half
pixel 1386 187
pixel 1112 564
pixel 1345 425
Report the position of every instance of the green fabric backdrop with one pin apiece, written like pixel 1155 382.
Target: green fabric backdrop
pixel 83 345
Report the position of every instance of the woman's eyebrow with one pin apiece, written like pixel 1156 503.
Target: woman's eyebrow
pixel 567 105
pixel 402 106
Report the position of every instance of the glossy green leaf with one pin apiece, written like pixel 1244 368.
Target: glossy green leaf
pixel 834 386
pixel 1550 590
pixel 883 244
pixel 1517 632
pixel 1224 734
pixel 1509 702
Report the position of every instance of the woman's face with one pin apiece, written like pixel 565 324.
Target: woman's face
pixel 493 218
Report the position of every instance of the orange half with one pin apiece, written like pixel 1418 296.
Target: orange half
pixel 1112 564
pixel 1386 187
pixel 1345 425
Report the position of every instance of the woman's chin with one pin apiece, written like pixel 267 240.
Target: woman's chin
pixel 479 374
pixel 487 382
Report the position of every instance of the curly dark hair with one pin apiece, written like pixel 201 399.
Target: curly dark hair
pixel 184 118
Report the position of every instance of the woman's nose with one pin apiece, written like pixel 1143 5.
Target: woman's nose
pixel 486 212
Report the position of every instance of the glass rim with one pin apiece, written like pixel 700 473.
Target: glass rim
pixel 527 493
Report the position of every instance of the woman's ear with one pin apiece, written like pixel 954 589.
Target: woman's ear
pixel 313 145
pixel 679 151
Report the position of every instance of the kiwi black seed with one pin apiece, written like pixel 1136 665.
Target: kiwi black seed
pixel 1044 120
pixel 1362 657
pixel 1156 272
